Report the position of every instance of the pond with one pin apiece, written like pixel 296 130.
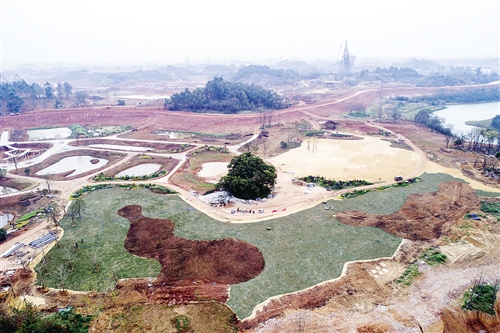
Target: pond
pixel 5 219
pixel 80 164
pixel 140 170
pixel 47 134
pixel 118 147
pixel 213 169
pixel 7 190
pixel 457 115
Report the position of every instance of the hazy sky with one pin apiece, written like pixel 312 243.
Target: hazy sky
pixel 118 32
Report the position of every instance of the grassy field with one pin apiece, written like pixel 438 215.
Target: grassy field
pixel 300 251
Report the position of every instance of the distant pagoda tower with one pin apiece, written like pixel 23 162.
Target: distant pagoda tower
pixel 346 62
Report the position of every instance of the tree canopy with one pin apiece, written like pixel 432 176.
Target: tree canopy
pixel 495 122
pixel 227 97
pixel 249 177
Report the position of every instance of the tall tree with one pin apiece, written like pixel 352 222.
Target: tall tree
pixel 249 177
pixel 77 208
pixel 54 211
pixel 68 89
pixel 49 91
pixel 60 90
pixel 49 180
pixel 14 103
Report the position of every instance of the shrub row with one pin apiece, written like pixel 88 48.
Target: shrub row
pixel 152 187
pixel 334 184
pixel 101 177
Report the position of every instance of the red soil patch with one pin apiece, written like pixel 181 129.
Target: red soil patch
pixel 423 216
pixel 217 123
pixel 225 261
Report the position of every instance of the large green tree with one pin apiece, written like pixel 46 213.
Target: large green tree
pixel 249 177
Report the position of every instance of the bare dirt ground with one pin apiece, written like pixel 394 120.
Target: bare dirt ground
pixel 435 210
pixel 226 261
pixel 213 123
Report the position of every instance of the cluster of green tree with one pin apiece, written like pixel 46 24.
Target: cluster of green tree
pixel 403 74
pixel 226 97
pixel 249 177
pixel 463 97
pixel 481 297
pixel 412 76
pixel 28 320
pixel 13 95
pixel 440 80
pixel 391 72
pixel 495 122
pixel 425 117
pixel 334 184
pixel 278 76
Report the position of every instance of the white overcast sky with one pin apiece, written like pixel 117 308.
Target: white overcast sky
pixel 120 32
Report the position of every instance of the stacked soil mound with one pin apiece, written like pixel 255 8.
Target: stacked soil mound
pixel 224 261
pixel 423 216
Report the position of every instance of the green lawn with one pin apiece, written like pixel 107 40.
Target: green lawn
pixel 300 251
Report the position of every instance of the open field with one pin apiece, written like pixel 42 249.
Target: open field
pixel 370 159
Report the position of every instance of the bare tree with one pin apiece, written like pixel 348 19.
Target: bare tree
pixel 115 267
pixel 262 118
pixel 53 212
pixel 69 256
pixel 269 118
pixel 49 180
pixel 77 208
pixel 396 113
pixel 474 138
pixel 61 274
pixel 95 255
pixel 15 162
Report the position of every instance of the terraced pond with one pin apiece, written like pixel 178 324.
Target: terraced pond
pixel 80 164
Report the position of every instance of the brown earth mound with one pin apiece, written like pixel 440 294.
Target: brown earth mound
pixel 423 216
pixel 223 261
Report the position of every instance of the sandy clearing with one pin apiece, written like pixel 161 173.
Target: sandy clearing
pixel 213 171
pixel 370 159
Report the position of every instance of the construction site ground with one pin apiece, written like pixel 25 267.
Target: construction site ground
pixel 365 298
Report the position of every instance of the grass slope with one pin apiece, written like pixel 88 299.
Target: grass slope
pixel 300 251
